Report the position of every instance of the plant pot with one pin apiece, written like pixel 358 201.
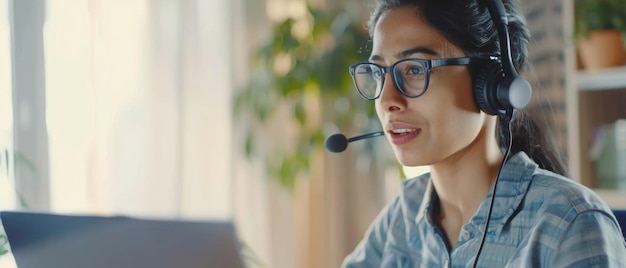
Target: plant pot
pixel 602 49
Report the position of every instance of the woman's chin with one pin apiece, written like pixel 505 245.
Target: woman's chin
pixel 410 160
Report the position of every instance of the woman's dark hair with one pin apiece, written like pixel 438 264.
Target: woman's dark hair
pixel 468 24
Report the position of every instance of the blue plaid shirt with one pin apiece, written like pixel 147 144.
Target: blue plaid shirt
pixel 539 219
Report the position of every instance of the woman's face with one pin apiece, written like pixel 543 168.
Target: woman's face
pixel 442 122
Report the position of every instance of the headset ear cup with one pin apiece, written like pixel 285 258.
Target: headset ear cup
pixel 486 80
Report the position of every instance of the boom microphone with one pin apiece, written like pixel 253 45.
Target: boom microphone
pixel 337 143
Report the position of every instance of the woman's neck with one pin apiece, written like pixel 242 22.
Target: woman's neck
pixel 463 180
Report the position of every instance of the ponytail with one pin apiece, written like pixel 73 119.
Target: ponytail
pixel 534 139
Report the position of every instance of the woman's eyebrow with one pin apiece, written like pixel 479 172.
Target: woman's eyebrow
pixel 406 53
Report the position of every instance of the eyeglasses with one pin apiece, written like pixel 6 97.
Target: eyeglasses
pixel 411 76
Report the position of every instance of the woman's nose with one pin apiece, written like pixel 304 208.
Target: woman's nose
pixel 391 100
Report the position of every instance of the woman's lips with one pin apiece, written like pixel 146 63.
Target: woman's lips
pixel 401 132
pixel 402 136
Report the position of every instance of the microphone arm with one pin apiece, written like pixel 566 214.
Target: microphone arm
pixel 366 136
pixel 337 143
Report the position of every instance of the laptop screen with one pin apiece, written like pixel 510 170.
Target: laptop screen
pixel 49 240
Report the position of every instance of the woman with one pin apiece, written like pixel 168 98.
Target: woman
pixel 431 117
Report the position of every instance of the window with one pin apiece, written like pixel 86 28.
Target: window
pixel 7 194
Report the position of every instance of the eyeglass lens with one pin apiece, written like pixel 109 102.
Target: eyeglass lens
pixel 409 76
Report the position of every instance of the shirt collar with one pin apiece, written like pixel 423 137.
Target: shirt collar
pixel 425 206
pixel 512 185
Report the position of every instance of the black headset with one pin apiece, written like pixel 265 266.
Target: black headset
pixel 498 88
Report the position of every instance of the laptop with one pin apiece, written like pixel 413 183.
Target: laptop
pixel 69 241
pixel 620 215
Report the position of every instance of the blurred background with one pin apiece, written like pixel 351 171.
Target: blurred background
pixel 218 109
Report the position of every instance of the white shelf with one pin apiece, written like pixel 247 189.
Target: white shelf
pixel 610 78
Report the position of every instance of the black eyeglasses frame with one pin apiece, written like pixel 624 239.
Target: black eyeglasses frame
pixel 428 65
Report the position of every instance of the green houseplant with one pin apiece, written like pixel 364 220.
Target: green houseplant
pixel 305 73
pixel 599 26
pixel 4 241
pixel 593 15
pixel 10 160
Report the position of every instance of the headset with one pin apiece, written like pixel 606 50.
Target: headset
pixel 498 88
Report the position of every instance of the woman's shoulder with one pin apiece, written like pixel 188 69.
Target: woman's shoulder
pixel 557 190
pixel 543 188
pixel 572 221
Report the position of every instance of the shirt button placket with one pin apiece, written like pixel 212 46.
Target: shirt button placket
pixel 446 263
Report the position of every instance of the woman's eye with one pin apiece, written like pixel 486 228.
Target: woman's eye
pixel 377 74
pixel 414 70
pixel 414 73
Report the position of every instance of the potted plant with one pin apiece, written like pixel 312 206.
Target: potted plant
pixel 306 73
pixel 599 27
